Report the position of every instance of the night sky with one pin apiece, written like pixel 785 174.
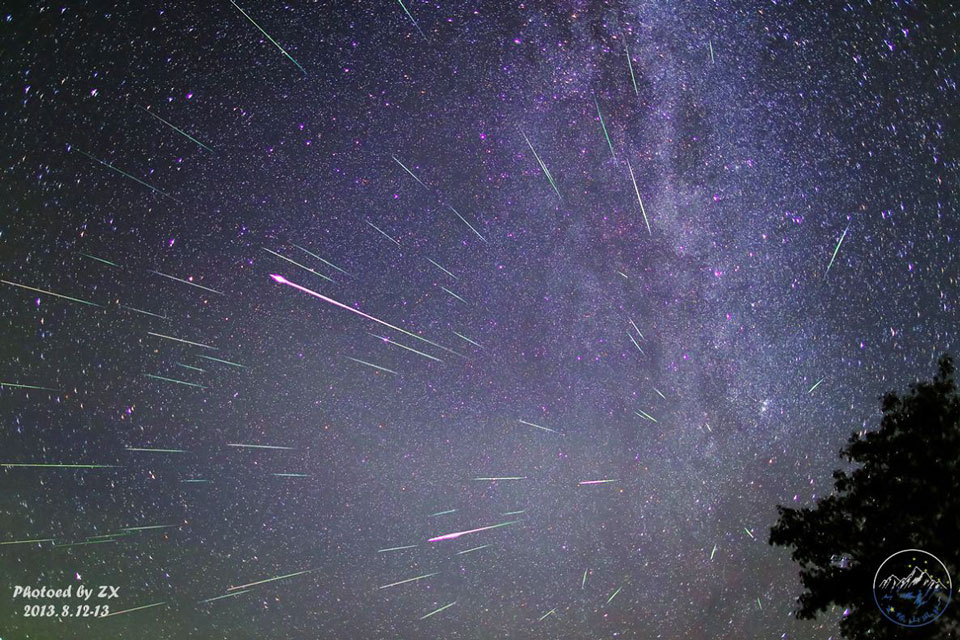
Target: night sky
pixel 681 247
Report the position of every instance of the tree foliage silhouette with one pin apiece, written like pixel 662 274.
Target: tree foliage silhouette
pixel 903 493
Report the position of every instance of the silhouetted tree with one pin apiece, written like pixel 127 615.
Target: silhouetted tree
pixel 904 493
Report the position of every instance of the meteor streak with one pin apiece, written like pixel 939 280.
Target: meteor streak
pixel 438 266
pixel 635 343
pixel 148 527
pixel 637 329
pixel 157 450
pixel 459 335
pixel 14 385
pixel 442 513
pixel 454 536
pixel 546 614
pixel 583 482
pixel 816 385
pixel 644 414
pixel 297 264
pixel 397 344
pixel 51 293
pixel 604 127
pixel 412 174
pixel 282 50
pixel 383 233
pixel 412 20
pixel 174 380
pixel 446 606
pixel 483 546
pixel 467 223
pixel 260 446
pixel 536 426
pixel 614 595
pixel 195 344
pixel 394 584
pixel 291 475
pixel 146 313
pixel 584 581
pixel 180 131
pixel 229 595
pixel 329 264
pixel 187 366
pixel 660 394
pixel 127 175
pixel 712 553
pixel 503 478
pixel 369 364
pixel 112 264
pixel 633 78
pixel 409 546
pixel 37 540
pixel 232 364
pixel 192 284
pixel 251 584
pixel 543 167
pixel 639 199
pixel 453 294
pixel 835 251
pixel 58 466
pixel 146 606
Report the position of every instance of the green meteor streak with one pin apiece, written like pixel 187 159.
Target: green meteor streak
pixel 412 174
pixel 187 366
pixel 192 284
pixel 835 251
pixel 614 595
pixel 748 532
pixel 195 344
pixel 397 344
pixel 157 450
pixel 251 584
pixel 292 475
pixel 80 544
pixel 297 264
pixel 483 546
pixel 109 535
pixel 180 131
pixel 409 546
pixel 149 527
pixel 146 313
pixel 38 540
pixel 513 513
pixel 712 553
pixel 710 44
pixel 446 606
pixel 464 220
pixel 644 414
pixel 543 167
pixel 412 20
pixel 369 364
pixel 14 385
pixel 261 446
pixel 438 266
pixel 639 199
pixel 51 293
pixel 134 178
pixel 282 50
pixel 816 385
pixel 58 466
pixel 630 66
pixel 546 614
pixel 383 233
pixel 183 382
pixel 584 581
pixel 87 255
pixel 454 295
pixel 229 595
pixel 536 426
pixel 502 478
pixel 759 605
pixel 232 364
pixel 460 335
pixel 146 606
pixel 442 513
pixel 604 127
pixel 329 264
pixel 393 584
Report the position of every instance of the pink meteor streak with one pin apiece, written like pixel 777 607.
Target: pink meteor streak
pixel 280 279
pixel 453 536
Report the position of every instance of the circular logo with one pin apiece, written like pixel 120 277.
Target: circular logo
pixel 912 588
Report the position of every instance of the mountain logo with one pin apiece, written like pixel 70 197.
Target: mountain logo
pixel 912 588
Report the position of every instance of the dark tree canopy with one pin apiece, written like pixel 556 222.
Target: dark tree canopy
pixel 902 494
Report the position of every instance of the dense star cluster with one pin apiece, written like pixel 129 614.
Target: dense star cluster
pixel 455 320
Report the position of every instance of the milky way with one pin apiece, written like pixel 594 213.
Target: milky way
pixel 405 320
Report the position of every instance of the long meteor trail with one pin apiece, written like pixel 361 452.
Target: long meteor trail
pixel 51 293
pixel 297 264
pixel 383 233
pixel 174 380
pixel 192 284
pixel 329 264
pixel 596 482
pixel 58 466
pixel 412 174
pixel 251 584
pixel 282 50
pixel 543 167
pixel 835 251
pixel 464 220
pixel 14 385
pixel 195 344
pixel 397 344
pixel 409 546
pixel 604 127
pixel 180 131
pixel 536 426
pixel 229 595
pixel 260 446
pixel 639 199
pixel 371 365
pixel 127 175
pixel 454 536
pixel 816 385
pixel 146 606
pixel 394 584
pixel 413 21
pixel 436 611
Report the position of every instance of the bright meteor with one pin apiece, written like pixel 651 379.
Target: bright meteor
pixel 454 536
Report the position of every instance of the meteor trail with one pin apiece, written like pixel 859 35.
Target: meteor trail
pixel 260 446
pixel 37 540
pixel 281 280
pixel 712 553
pixel 483 546
pixel 413 21
pixel 195 344
pixel 183 382
pixel 712 60
pixel 446 606
pixel 660 394
pixel 476 344
pixel 635 343
pixel 80 544
pixel 633 78
pixel 748 532
pixel 192 284
pixel 583 482
pixel 412 174
pixel 383 233
pixel 536 426
pixel 584 581
pixel 834 256
pixel 644 414
pixel 409 546
pixel 146 606
pixel 148 527
pixel 251 584
pixel 453 294
pixel 51 293
pixel 329 264
pixel 637 329
pixel 297 264
pixel 291 475
pixel 229 595
pixel 232 364
pixel 127 175
pixel 614 595
pixel 146 313
pixel 397 344
pixel 543 167
pixel 438 266
pixel 14 385
pixel 442 513
pixel 546 614
pixel 180 131
pixel 59 466
pixel 157 450
pixel 282 50
pixel 187 366
pixel 604 127
pixel 112 264
pixel 394 584
pixel 374 366
pixel 454 536
pixel 503 478
pixel 513 513
pixel 639 199
pixel 816 385
pixel 467 223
